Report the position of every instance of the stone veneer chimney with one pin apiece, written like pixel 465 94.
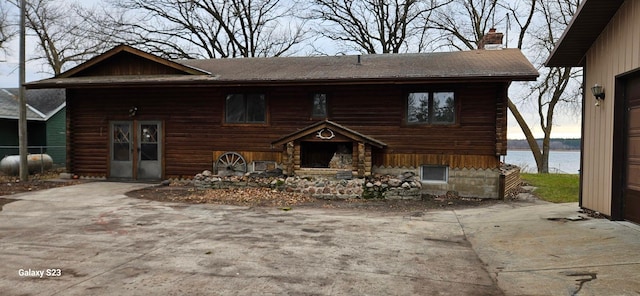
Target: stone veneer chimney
pixel 491 40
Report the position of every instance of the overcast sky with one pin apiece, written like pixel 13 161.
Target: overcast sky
pixel 566 125
pixel 9 66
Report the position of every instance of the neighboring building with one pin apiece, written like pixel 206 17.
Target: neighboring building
pixel 46 122
pixel 604 38
pixel 134 115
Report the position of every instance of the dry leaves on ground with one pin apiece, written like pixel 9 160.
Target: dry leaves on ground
pixel 12 185
pixel 265 197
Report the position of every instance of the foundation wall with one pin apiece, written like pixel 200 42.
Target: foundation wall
pixel 480 183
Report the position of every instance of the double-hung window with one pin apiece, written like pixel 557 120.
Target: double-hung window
pixel 431 108
pixel 245 108
pixel 319 107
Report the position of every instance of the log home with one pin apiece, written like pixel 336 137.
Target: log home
pixel 133 115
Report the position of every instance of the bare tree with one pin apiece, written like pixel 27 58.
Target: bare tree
pixel 463 23
pixel 211 28
pixel 7 30
pixel 375 26
pixel 61 31
pixel 551 93
pixel 538 25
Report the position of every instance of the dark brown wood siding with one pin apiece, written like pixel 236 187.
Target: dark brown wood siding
pixel 127 64
pixel 193 121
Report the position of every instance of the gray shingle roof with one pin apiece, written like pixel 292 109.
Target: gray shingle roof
pixel 506 64
pixel 42 103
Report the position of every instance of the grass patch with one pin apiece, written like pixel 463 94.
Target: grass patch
pixel 556 188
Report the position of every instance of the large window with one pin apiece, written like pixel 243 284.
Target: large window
pixel 431 108
pixel 245 108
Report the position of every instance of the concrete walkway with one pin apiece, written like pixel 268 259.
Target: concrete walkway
pixel 90 239
pixel 535 250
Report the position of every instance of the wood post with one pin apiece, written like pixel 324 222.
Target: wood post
pixel 290 158
pixel 362 169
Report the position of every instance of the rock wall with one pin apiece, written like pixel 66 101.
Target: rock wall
pixel 404 186
pixel 385 183
pixel 341 161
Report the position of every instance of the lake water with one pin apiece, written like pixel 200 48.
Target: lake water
pixel 565 162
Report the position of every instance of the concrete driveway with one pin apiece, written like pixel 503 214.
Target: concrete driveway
pixel 90 239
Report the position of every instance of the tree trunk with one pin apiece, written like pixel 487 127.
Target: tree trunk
pixel 531 140
pixel 545 153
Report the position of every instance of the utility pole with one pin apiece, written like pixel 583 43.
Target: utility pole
pixel 22 123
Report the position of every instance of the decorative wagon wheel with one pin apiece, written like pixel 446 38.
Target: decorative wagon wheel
pixel 231 163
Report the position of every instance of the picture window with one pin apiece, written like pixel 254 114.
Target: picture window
pixel 245 108
pixel 431 108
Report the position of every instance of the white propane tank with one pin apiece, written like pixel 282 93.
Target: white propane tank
pixel 10 165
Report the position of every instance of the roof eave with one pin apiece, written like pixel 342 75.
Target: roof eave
pixel 28 118
pixel 587 24
pixel 108 82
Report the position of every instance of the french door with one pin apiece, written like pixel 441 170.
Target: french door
pixel 136 150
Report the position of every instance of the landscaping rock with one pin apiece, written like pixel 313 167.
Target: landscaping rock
pixel 378 186
pixel 394 182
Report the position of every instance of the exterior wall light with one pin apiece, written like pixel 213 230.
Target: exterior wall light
pixel 132 111
pixel 598 92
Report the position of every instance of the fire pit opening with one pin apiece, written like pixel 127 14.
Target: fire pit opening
pixel 335 155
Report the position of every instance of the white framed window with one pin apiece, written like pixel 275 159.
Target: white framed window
pixel 434 173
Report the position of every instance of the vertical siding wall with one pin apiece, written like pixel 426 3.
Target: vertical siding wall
pixel 56 137
pixel 617 50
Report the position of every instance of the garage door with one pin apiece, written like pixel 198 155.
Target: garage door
pixel 631 195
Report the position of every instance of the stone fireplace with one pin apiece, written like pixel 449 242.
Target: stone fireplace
pixel 327 147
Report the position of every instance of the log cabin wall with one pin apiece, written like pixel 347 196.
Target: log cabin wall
pixel 194 127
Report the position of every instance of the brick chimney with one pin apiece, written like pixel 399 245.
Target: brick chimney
pixel 491 40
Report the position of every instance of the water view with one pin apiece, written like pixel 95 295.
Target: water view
pixel 562 162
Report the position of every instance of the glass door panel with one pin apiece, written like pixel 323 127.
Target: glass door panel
pixel 149 150
pixel 121 150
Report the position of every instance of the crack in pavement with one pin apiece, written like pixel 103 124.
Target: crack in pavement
pixel 581 281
